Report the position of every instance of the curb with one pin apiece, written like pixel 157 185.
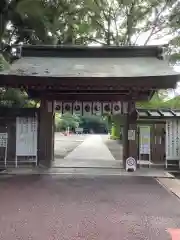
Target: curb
pixel 76 173
pixel 169 190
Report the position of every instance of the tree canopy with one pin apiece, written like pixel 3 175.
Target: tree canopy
pixel 117 22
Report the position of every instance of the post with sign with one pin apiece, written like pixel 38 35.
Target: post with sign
pixel 3 144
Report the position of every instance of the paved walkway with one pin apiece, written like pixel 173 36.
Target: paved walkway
pixel 92 153
pixel 93 148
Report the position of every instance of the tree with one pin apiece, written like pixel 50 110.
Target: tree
pixel 67 120
pixel 116 22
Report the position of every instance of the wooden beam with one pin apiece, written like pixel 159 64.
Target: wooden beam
pixel 91 83
pixel 88 96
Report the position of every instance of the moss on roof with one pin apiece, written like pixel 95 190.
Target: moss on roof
pixel 174 103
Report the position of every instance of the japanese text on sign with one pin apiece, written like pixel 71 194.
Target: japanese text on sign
pixel 3 139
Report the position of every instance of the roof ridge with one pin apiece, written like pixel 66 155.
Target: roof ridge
pixel 90 52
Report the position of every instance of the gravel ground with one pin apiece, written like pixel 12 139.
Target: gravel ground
pixel 115 147
pixel 102 208
pixel 65 144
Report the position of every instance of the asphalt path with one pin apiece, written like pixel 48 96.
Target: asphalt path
pixel 50 207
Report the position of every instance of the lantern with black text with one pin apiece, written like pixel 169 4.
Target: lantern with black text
pixel 97 108
pixel 77 108
pixel 58 107
pixel 87 108
pixel 67 107
pixel 116 108
pixel 106 108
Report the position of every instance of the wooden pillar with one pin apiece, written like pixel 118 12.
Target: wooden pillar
pixel 125 139
pixel 46 133
pixel 128 118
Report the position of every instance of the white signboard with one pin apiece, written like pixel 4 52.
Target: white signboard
pixel 26 136
pixel 3 140
pixel 131 164
pixel 173 140
pixel 131 134
pixel 144 135
pixel 4 144
pixel 79 130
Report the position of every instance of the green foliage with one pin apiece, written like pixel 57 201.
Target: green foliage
pixel 113 133
pixel 116 22
pixel 157 101
pixel 13 98
pixel 62 122
pixel 174 103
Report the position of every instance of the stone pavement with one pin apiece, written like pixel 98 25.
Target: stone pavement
pixel 87 163
pixel 100 208
pixel 91 153
pixel 92 148
pixel 87 151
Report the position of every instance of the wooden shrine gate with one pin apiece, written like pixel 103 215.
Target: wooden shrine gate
pixel 80 73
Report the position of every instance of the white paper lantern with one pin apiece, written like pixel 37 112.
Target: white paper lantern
pixel 106 107
pixel 58 107
pixel 77 108
pixel 116 108
pixel 125 107
pixel 67 107
pixel 87 108
pixel 97 108
pixel 50 107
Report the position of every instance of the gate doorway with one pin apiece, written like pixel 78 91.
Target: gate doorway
pixel 82 137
